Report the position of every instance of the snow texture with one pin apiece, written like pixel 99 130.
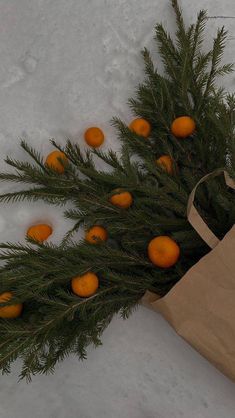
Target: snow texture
pixel 67 65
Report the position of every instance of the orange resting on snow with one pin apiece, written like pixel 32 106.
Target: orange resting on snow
pixel 10 311
pixel 53 161
pixel 85 285
pixel 95 234
pixel 183 126
pixel 122 199
pixel 163 251
pixel 39 232
pixel 94 137
pixel 141 127
pixel 166 163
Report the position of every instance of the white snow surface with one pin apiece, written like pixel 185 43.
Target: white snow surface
pixel 66 65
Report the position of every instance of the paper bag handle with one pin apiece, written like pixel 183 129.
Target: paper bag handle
pixel 195 218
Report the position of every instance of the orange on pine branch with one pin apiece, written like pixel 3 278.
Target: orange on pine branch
pixel 121 199
pixel 183 126
pixel 85 285
pixel 163 251
pixel 10 311
pixel 53 161
pixel 141 127
pixel 95 234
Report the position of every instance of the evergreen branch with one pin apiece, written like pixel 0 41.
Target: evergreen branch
pixel 181 32
pixel 168 52
pixel 34 155
pixel 109 158
pixel 217 52
pixel 55 322
pixel 198 33
pixel 34 194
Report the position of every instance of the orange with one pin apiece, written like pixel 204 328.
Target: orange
pixel 85 285
pixel 141 127
pixel 121 199
pixel 94 137
pixel 166 163
pixel 39 232
pixel 183 126
pixel 96 234
pixel 53 161
pixel 10 311
pixel 163 251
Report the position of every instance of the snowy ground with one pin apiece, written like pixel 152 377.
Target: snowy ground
pixel 65 65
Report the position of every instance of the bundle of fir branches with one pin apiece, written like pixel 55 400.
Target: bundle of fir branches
pixel 55 321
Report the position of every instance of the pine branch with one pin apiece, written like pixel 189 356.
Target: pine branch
pixel 36 156
pixel 198 35
pixel 56 322
pixel 34 194
pixel 217 52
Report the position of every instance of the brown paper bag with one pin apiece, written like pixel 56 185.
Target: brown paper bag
pixel 201 306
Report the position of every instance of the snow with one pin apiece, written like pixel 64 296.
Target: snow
pixel 67 65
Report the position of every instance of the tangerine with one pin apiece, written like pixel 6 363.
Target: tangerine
pixel 183 126
pixel 163 251
pixel 94 137
pixel 9 311
pixel 85 285
pixel 53 161
pixel 141 127
pixel 166 163
pixel 122 199
pixel 39 232
pixel 95 234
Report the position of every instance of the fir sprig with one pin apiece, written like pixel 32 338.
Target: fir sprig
pixel 55 322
